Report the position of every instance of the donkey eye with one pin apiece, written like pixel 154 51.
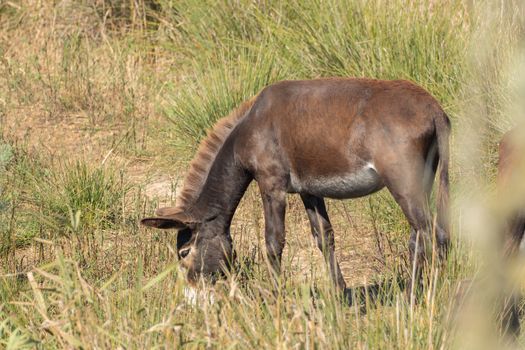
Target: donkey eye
pixel 184 252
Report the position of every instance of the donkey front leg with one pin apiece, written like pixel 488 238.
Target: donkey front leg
pixel 324 235
pixel 274 204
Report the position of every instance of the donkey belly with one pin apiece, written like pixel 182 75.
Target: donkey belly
pixel 353 184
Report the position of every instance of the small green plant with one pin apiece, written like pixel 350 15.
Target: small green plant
pixel 96 193
pixel 77 200
pixel 52 200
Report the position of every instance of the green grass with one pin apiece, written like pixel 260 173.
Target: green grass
pixel 218 89
pixel 236 50
pixel 141 82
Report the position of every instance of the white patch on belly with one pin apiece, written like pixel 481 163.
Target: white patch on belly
pixel 351 185
pixel 371 166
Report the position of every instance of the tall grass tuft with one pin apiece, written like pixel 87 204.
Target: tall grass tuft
pixel 237 49
pixel 48 200
pixel 196 104
pixel 93 196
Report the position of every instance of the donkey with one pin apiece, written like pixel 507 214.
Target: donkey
pixel 334 137
pixel 511 169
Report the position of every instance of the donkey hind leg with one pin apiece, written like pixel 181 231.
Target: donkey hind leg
pixel 274 205
pixel 409 192
pixel 420 242
pixel 324 235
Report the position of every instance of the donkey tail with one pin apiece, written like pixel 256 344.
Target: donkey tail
pixel 442 125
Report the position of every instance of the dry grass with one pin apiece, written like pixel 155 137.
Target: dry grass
pixel 101 104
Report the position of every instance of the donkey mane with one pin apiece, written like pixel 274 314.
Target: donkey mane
pixel 208 149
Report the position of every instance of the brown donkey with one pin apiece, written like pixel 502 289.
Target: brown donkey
pixel 336 138
pixel 511 188
pixel 511 169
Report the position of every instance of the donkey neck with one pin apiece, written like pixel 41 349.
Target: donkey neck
pixel 224 187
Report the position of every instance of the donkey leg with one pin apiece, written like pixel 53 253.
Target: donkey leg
pixel 274 204
pixel 324 235
pixel 409 192
pixel 420 240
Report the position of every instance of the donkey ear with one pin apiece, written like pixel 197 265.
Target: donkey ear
pixel 175 214
pixel 169 217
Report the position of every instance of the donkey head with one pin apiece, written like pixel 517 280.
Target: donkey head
pixel 203 248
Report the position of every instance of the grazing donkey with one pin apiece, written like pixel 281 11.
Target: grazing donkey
pixel 511 169
pixel 511 188
pixel 336 138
